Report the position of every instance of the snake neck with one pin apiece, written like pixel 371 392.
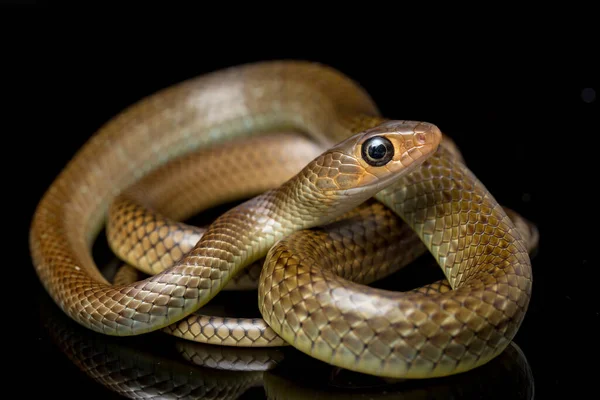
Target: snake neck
pixel 244 234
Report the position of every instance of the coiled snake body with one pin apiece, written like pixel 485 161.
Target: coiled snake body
pixel 302 297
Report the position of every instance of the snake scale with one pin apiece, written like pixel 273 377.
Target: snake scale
pixel 302 294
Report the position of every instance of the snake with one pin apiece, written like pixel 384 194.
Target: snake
pixel 310 304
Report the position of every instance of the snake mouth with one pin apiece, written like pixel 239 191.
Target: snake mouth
pixel 381 183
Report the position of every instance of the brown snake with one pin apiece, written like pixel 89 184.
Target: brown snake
pixel 423 333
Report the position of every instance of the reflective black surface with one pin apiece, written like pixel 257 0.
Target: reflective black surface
pixel 165 367
pixel 160 366
pixel 525 125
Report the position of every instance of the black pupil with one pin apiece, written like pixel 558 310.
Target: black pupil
pixel 377 151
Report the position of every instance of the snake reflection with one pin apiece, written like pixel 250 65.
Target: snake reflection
pixel 188 370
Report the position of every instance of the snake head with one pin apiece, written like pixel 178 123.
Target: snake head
pixel 373 159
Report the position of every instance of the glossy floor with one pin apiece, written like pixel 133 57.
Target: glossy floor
pixel 161 366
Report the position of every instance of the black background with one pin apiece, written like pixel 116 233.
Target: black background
pixel 515 110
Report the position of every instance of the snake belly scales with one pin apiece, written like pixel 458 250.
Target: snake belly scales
pixel 362 162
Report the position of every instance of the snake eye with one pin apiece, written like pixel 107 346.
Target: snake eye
pixel 377 151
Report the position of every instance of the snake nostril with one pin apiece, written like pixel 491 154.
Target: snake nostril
pixel 421 138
